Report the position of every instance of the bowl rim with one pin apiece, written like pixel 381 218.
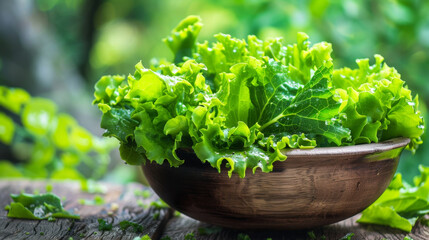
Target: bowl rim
pixel 368 148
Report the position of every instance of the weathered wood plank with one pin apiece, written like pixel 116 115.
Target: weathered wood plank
pixel 129 208
pixel 87 227
pixel 179 227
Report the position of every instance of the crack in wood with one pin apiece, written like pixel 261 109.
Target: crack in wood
pixel 34 228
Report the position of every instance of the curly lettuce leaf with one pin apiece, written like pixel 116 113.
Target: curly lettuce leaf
pixel 155 112
pixel 41 206
pixel 379 105
pixel 386 216
pixel 182 40
pixel 238 103
pixel 118 123
pixel 401 205
pixel 261 91
pixel 110 89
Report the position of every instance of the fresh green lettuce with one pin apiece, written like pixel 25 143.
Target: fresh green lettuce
pixel 237 103
pixel 37 206
pixel 402 204
pixel 379 105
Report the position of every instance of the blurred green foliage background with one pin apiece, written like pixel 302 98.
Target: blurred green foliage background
pixel 59 48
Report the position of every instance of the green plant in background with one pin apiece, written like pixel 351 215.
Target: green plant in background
pixel 243 101
pixel 47 143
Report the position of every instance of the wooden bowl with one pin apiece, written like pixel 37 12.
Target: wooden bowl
pixel 313 187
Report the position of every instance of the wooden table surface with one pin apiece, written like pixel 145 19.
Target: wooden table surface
pixel 122 203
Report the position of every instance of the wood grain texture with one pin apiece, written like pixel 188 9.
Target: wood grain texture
pixel 311 188
pixel 178 227
pixel 87 226
pixel 166 225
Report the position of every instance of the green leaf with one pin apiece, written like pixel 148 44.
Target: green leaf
pixel 132 154
pixel 237 161
pixel 348 236
pixel 183 37
pixel 401 205
pixel 103 225
pixel 118 123
pixel 110 89
pixel 13 98
pixel 158 146
pixel 42 206
pixel 145 237
pixel 379 105
pixel 143 193
pixel 176 125
pixel 61 135
pixel 34 170
pixel 396 182
pixel 69 159
pixel 98 200
pixel 8 170
pixel 17 210
pixel 7 128
pixel 275 93
pixel 302 60
pixel 190 236
pixel 66 173
pixel 424 176
pixel 124 225
pixel 243 236
pixel 55 145
pixel 238 102
pixel 354 120
pixel 406 205
pixel 370 106
pixel 38 116
pixel 311 111
pixel 385 216
pixel 403 121
pixel 234 49
pixel 91 186
pixel 43 153
pixel 81 139
pixel 145 85
pixel 311 235
pixel 159 204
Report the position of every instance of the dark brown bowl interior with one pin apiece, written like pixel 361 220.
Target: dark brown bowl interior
pixel 311 188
